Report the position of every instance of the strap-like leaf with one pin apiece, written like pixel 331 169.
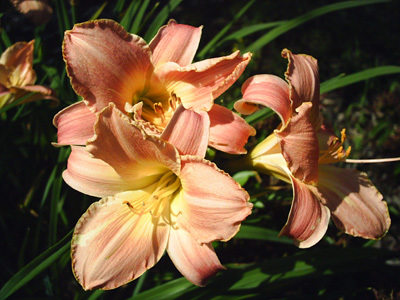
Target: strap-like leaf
pixel 35 267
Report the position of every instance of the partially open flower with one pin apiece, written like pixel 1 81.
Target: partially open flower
pixel 17 76
pixel 300 151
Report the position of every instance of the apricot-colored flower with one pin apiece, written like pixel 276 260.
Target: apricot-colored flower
pixel 300 151
pixel 17 76
pixel 153 199
pixel 149 81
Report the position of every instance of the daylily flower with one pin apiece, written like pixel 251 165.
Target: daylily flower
pixel 149 81
pixel 17 76
pixel 153 199
pixel 300 151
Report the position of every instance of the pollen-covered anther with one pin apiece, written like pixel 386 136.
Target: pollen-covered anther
pixel 174 101
pixel 335 151
pixel 159 110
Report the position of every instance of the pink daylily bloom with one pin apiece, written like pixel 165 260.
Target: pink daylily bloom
pixel 148 82
pixel 300 151
pixel 153 199
pixel 17 76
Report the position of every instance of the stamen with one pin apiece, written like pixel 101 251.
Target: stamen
pixel 156 202
pixel 335 151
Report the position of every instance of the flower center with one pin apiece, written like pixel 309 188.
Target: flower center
pixel 157 112
pixel 335 151
pixel 159 195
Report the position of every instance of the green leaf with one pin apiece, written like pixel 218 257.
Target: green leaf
pixel 99 11
pixel 170 290
pixel 244 281
pixel 160 19
pixel 344 80
pixel 212 44
pixel 262 234
pixel 260 115
pixel 35 267
pixel 243 176
pixel 277 31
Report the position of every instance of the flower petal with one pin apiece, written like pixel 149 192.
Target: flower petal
pixel 198 84
pixel 175 43
pixel 197 262
pixel 128 149
pixel 188 131
pixel 225 121
pixel 308 219
pixel 299 145
pixel 112 246
pixel 267 90
pixel 356 205
pixel 303 77
pixel 211 204
pixel 94 177
pixel 105 63
pixel 75 124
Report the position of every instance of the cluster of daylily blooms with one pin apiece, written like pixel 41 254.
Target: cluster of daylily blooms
pixel 139 139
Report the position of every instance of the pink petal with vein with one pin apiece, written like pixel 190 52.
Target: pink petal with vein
pixel 74 124
pixel 94 177
pixel 266 90
pixel 128 149
pixel 175 43
pixel 105 63
pixel 308 219
pixel 303 77
pixel 112 246
pixel 228 131
pixel 188 131
pixel 356 205
pixel 212 204
pixel 197 262
pixel 299 145
pixel 197 85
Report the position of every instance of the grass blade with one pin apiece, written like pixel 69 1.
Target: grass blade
pixel 160 19
pixel 35 267
pixel 211 44
pixel 274 33
pixel 344 80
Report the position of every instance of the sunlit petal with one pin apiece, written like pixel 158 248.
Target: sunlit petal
pixel 175 43
pixel 265 90
pixel 197 85
pixel 128 149
pixel 356 205
pixel 94 177
pixel 112 246
pixel 308 219
pixel 74 124
pixel 211 204
pixel 299 145
pixel 105 63
pixel 228 132
pixel 188 131
pixel 197 262
pixel 303 77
